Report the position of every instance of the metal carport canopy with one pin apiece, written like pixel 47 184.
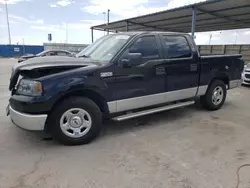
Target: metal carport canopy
pixel 211 15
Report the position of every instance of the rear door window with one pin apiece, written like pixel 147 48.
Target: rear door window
pixel 51 53
pixel 61 53
pixel 176 47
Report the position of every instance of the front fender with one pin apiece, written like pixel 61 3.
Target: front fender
pixel 80 85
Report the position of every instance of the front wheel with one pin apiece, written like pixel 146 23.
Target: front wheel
pixel 215 96
pixel 75 121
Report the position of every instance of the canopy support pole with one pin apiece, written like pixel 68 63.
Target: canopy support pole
pixel 193 22
pixel 127 25
pixel 92 35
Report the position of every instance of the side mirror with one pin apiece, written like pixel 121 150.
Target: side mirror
pixel 131 60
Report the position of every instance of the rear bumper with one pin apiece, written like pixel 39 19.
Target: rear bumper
pixel 29 122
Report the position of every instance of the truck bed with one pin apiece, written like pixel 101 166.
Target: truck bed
pixel 226 67
pixel 205 56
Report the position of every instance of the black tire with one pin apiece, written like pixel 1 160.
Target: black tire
pixel 207 99
pixel 70 103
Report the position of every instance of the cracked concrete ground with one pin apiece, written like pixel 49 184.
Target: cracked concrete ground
pixel 183 148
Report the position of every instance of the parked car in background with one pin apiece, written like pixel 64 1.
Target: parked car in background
pixel 246 75
pixel 47 53
pixel 120 76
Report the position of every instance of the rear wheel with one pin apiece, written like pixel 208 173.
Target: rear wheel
pixel 215 96
pixel 76 121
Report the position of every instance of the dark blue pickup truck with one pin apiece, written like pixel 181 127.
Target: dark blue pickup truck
pixel 120 76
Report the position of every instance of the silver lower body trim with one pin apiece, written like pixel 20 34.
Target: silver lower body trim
pixel 202 90
pixel 150 100
pixel 234 83
pixel 139 102
pixel 28 121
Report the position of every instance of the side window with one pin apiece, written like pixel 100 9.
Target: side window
pixel 61 53
pixel 50 53
pixel 176 47
pixel 147 46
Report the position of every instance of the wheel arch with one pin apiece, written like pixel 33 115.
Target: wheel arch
pixel 222 77
pixel 93 95
pixel 88 93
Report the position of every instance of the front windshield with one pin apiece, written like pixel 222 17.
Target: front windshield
pixel 105 48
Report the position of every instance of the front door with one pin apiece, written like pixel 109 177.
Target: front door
pixel 181 65
pixel 142 85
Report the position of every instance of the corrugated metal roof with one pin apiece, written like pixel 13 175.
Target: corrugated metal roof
pixel 211 15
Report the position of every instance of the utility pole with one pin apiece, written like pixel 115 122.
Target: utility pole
pixel 193 22
pixel 23 46
pixel 66 32
pixel 108 20
pixel 7 18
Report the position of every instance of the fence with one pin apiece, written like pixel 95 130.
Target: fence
pixel 19 50
pixel 63 46
pixel 227 49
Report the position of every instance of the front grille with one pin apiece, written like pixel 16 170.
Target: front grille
pixel 247 75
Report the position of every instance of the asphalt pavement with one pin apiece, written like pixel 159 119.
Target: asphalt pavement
pixel 183 148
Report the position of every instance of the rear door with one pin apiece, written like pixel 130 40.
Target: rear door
pixel 144 84
pixel 181 68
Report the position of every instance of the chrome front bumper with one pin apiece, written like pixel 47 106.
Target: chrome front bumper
pixel 27 121
pixel 245 83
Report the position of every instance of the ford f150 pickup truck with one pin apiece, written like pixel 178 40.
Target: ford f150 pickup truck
pixel 120 76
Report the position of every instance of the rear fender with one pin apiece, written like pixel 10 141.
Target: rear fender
pixel 220 76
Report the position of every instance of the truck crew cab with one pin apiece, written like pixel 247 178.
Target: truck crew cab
pixel 120 76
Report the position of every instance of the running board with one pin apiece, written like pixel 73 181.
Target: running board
pixel 152 111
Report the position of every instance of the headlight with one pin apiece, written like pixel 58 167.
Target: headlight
pixel 29 87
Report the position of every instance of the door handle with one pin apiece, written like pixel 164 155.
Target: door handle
pixel 160 70
pixel 129 77
pixel 136 77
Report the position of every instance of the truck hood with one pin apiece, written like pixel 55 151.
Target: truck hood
pixel 42 66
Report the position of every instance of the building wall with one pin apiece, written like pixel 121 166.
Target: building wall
pixel 19 50
pixel 63 46
pixel 227 49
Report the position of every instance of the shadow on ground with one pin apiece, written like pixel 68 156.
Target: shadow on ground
pixel 112 128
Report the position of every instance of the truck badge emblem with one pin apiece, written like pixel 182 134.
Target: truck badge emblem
pixel 106 74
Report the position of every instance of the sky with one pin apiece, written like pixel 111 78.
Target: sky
pixel 70 20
